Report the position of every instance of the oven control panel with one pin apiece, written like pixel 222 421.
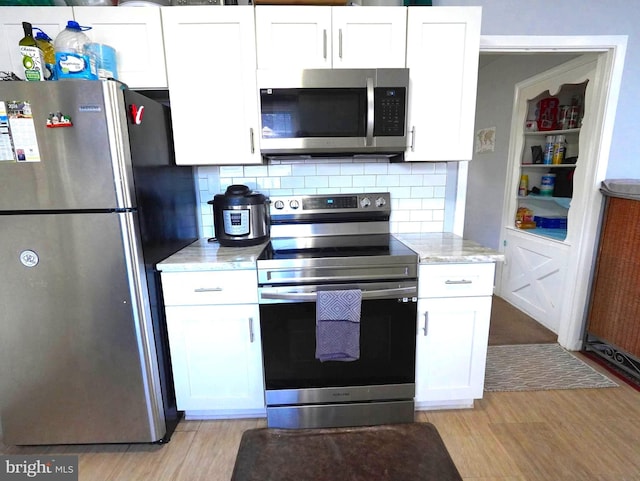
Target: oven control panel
pixel 319 204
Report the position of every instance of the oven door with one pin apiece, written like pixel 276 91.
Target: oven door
pixel 385 369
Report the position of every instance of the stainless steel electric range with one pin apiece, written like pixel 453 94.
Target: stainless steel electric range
pixel 337 242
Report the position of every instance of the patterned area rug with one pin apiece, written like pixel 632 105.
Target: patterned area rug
pixel 539 367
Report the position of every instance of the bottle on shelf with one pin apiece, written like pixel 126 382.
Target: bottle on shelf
pixel 547 156
pixel 523 189
pixel 48 52
pixel 559 148
pixel 32 57
pixel 73 59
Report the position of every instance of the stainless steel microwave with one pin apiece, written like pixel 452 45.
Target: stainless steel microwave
pixel 333 111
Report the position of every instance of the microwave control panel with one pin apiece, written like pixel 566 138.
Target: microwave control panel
pixel 389 107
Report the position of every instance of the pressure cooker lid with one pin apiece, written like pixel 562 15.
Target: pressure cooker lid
pixel 238 194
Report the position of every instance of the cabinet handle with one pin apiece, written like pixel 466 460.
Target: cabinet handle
pixel 253 149
pixel 426 323
pixel 251 336
pixel 324 44
pixel 208 289
pixel 413 138
pixel 461 281
pixel 340 43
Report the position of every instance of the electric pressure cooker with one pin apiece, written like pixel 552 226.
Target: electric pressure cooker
pixel 241 217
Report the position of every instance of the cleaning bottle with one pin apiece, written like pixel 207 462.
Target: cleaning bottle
pixel 32 57
pixel 45 43
pixel 73 59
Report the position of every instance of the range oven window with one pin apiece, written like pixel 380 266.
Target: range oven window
pixel 307 113
pixel 387 347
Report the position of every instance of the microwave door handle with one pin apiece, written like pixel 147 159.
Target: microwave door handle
pixel 370 112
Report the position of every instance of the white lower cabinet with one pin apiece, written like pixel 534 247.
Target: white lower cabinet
pixel 452 334
pixel 216 352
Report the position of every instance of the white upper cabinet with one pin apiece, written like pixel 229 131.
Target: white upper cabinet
pixel 52 20
pixel 293 36
pixel 331 37
pixel 211 68
pixel 369 37
pixel 136 35
pixel 443 46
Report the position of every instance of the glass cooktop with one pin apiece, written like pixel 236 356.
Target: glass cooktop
pixel 334 246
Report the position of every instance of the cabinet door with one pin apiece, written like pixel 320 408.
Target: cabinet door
pixel 52 20
pixel 451 349
pixel 136 35
pixel 369 37
pixel 294 37
pixel 217 358
pixel 211 68
pixel 442 54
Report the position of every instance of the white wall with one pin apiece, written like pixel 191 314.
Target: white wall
pixel 417 189
pixel 581 17
pixel 486 182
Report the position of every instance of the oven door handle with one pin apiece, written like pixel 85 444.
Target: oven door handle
pixel 312 296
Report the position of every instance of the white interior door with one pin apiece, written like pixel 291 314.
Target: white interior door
pixel 539 273
pixel 533 276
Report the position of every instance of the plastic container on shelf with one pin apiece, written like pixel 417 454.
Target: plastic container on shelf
pixel 73 59
pixel 547 183
pixel 551 221
pixel 106 60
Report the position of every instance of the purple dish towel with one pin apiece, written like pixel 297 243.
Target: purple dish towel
pixel 338 325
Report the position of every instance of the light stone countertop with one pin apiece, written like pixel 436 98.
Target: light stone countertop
pixel 203 255
pixel 445 247
pixel 430 247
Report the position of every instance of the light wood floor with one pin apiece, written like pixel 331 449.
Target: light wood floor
pixel 588 434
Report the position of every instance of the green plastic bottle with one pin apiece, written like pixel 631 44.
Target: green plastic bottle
pixel 32 57
pixel 48 52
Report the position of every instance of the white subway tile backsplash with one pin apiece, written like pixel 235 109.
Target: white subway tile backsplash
pixel 316 181
pixel 279 170
pixel 423 167
pixel 293 182
pixel 363 180
pixel 421 215
pixel 256 171
pixel 376 168
pixel 340 181
pixel 388 180
pixel 351 169
pixel 399 168
pixel 269 183
pixel 328 169
pixel 421 192
pixel 408 204
pixel 303 169
pixel 231 171
pixel 435 179
pixel 417 189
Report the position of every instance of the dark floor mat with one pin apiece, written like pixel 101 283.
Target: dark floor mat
pixel 401 452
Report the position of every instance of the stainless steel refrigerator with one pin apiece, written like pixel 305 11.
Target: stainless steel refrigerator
pixel 90 201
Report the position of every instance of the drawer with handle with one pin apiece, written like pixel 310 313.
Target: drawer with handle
pixel 455 280
pixel 210 287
